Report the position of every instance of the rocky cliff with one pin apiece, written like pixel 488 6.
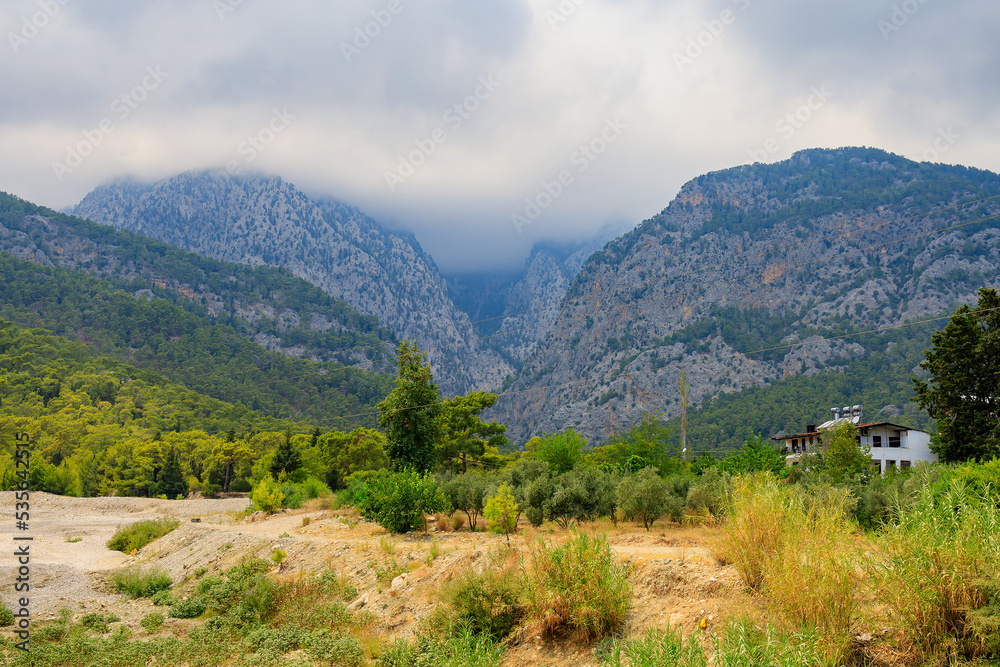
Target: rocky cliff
pixel 755 274
pixel 266 221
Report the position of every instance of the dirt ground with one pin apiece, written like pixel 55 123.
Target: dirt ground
pixel 676 581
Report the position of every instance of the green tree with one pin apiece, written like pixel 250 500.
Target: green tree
pixel 467 493
pixel 643 496
pixel 502 512
pixel 562 451
pixel 172 483
pixel 287 458
pixel 411 413
pixel 754 456
pixel 347 453
pixel 398 501
pixel 645 444
pixel 964 385
pixel 844 457
pixel 464 435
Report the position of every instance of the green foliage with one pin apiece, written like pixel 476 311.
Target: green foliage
pixel 645 444
pixel 582 494
pixel 97 622
pixel 138 583
pixel 267 495
pixel 345 454
pixel 502 512
pixel 139 534
pixel 192 607
pixel 755 455
pixel 172 483
pixel 644 497
pixel 287 459
pixel 844 458
pixel 467 493
pixel 489 603
pixel 152 622
pixel 465 437
pixel 964 387
pixel 411 413
pixel 6 617
pixel 561 451
pixel 247 596
pixel 578 588
pixel 398 501
pixel 464 648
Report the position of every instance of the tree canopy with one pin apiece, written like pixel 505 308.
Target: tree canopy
pixel 411 413
pixel 964 386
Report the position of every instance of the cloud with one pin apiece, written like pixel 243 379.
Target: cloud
pixel 699 85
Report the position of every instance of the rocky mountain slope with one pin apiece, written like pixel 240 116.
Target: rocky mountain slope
pixel 749 276
pixel 266 221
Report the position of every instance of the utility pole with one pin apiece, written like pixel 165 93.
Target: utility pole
pixel 684 416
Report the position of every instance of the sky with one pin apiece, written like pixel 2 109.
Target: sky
pixel 484 126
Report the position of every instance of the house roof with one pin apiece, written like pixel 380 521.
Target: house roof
pixel 870 425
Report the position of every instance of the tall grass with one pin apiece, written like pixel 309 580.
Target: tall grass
pixel 795 549
pixel 137 583
pixel 578 588
pixel 941 571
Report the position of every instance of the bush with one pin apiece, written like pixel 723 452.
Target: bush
pixel 399 501
pixel 644 497
pixel 139 584
pixel 488 603
pixel 467 493
pixel 267 495
pixel 193 607
pixel 338 649
pixel 502 512
pixel 246 596
pixel 152 622
pixel 163 598
pixel 710 492
pixel 579 587
pixel 135 537
pixel 6 617
pixel 464 648
pixel 538 499
pixel 96 622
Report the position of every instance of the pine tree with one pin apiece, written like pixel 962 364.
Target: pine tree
pixel 286 459
pixel 172 483
pixel 411 412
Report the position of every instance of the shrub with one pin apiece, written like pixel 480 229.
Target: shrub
pixel 463 648
pixel 467 493
pixel 579 587
pixel 710 492
pixel 193 607
pixel 152 622
pixel 338 649
pixel 135 537
pixel 96 622
pixel 137 583
pixel 488 603
pixel 538 498
pixel 398 501
pixel 502 512
pixel 750 538
pixel 644 497
pixel 656 648
pixel 267 495
pixel 246 596
pixel 6 617
pixel 278 556
pixel 163 598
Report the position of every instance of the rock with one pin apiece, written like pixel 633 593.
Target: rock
pixel 400 581
pixel 359 603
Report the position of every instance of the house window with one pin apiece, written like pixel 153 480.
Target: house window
pixel 890 464
pixel 795 444
pixel 894 440
pixel 904 465
pixel 876 441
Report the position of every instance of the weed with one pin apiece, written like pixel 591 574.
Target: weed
pixel 162 598
pixel 278 556
pixel 200 571
pixel 579 587
pixel 96 622
pixel 139 584
pixel 433 552
pixel 6 617
pixel 283 535
pixel 489 603
pixel 138 535
pixel 226 547
pixel 73 540
pixel 152 623
pixel 388 571
pixel 193 607
pixel 306 521
pixel 463 648
pixel 387 545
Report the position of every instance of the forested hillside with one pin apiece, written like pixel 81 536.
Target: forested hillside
pixel 199 328
pixel 749 278
pixel 102 426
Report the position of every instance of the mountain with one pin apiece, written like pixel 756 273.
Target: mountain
pixel 265 221
pixel 256 336
pixel 754 276
pixel 513 313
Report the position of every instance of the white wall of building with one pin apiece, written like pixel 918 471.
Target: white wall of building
pixel 897 446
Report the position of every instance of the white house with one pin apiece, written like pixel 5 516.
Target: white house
pixel 891 445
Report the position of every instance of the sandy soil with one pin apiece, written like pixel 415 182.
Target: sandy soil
pixel 676 581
